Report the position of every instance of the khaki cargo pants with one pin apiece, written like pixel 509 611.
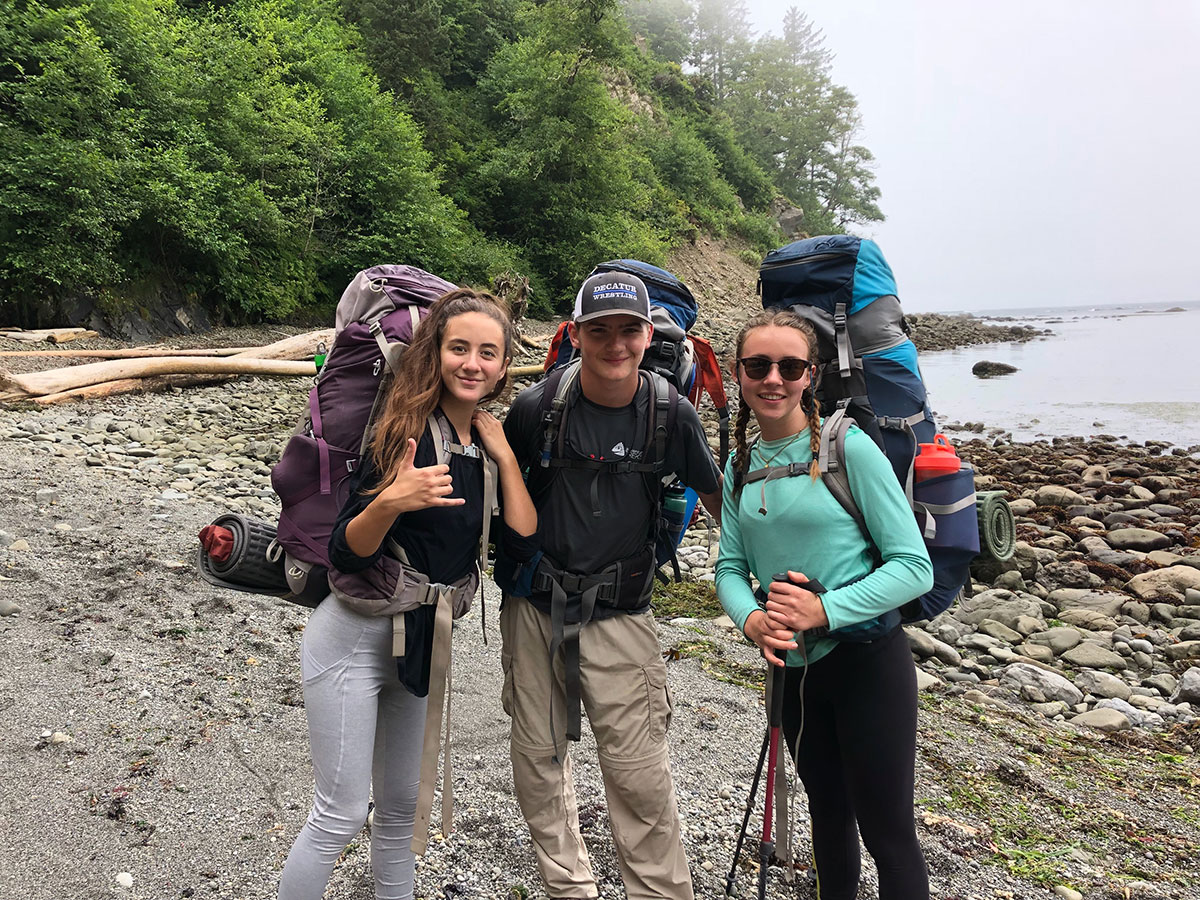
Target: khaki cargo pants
pixel 623 686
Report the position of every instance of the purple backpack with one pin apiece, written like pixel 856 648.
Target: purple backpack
pixel 375 321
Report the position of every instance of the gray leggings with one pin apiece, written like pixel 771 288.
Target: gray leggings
pixel 365 731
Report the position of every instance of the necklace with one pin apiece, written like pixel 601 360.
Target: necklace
pixel 762 497
pixel 775 455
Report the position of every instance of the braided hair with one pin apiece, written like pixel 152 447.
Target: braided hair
pixel 808 402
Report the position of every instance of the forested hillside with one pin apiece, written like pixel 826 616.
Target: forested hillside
pixel 245 157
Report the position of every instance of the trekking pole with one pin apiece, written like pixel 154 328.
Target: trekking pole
pixel 766 848
pixel 737 852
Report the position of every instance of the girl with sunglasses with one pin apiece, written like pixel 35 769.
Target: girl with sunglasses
pixel 850 697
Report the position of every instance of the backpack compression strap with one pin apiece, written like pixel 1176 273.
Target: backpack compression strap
pixel 392 351
pixel 849 366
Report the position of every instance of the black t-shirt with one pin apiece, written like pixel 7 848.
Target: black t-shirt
pixel 442 542
pixel 572 535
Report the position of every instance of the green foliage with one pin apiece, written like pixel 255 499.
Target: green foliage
pixel 664 25
pixel 557 177
pixel 801 128
pixel 761 231
pixel 250 155
pixel 245 155
pixel 690 170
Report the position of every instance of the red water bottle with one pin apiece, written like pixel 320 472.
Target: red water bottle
pixel 935 459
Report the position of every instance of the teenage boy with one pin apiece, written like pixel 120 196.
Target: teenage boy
pixel 585 633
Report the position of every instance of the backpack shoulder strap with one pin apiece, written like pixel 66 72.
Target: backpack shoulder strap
pixel 559 384
pixel 445 445
pixel 662 407
pixel 832 461
pixel 491 504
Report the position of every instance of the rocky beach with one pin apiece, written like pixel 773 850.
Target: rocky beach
pixel 154 735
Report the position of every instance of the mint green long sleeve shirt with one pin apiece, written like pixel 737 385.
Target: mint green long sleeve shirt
pixel 806 530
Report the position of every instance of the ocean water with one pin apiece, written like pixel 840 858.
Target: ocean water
pixel 1131 370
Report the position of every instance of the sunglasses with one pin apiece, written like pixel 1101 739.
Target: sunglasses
pixel 791 368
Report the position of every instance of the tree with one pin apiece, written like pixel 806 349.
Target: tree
pixel 665 25
pixel 721 40
pixel 559 176
pixel 242 157
pixel 802 128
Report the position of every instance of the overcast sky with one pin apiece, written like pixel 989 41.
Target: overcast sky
pixel 1029 153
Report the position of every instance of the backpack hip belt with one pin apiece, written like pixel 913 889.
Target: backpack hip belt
pixel 409 589
pixel 621 587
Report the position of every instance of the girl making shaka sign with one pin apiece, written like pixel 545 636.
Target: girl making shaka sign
pixel 405 553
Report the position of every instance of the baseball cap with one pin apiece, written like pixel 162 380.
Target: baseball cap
pixel 612 294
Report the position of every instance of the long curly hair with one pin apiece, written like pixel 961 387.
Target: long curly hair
pixel 417 387
pixel 808 403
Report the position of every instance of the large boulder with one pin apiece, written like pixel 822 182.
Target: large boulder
pixel 1139 718
pixel 1170 583
pixel 987 369
pixel 1182 650
pixel 1098 549
pixel 1051 685
pixel 1103 719
pixel 1087 618
pixel 1059 639
pixel 1102 684
pixel 1089 655
pixel 1188 688
pixel 1003 606
pixel 1107 603
pixel 1057 495
pixel 1141 539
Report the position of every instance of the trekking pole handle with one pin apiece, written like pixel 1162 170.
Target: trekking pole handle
pixel 811 585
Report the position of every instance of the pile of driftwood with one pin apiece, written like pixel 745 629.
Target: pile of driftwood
pixel 149 369
pixel 134 371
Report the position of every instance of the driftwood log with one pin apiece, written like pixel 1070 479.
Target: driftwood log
pixel 125 353
pixel 524 371
pixel 105 379
pixel 25 387
pixel 129 386
pixel 131 373
pixel 53 335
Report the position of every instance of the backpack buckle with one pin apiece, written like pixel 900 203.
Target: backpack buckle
pixel 470 450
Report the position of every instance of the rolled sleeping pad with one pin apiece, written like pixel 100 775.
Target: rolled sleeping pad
pixel 256 563
pixel 997 527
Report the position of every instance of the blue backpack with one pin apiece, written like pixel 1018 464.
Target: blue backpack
pixel 870 377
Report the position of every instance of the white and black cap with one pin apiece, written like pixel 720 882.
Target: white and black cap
pixel 612 294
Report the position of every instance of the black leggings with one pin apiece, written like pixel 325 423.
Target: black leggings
pixel 856 760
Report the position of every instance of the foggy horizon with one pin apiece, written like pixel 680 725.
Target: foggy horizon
pixel 1028 155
